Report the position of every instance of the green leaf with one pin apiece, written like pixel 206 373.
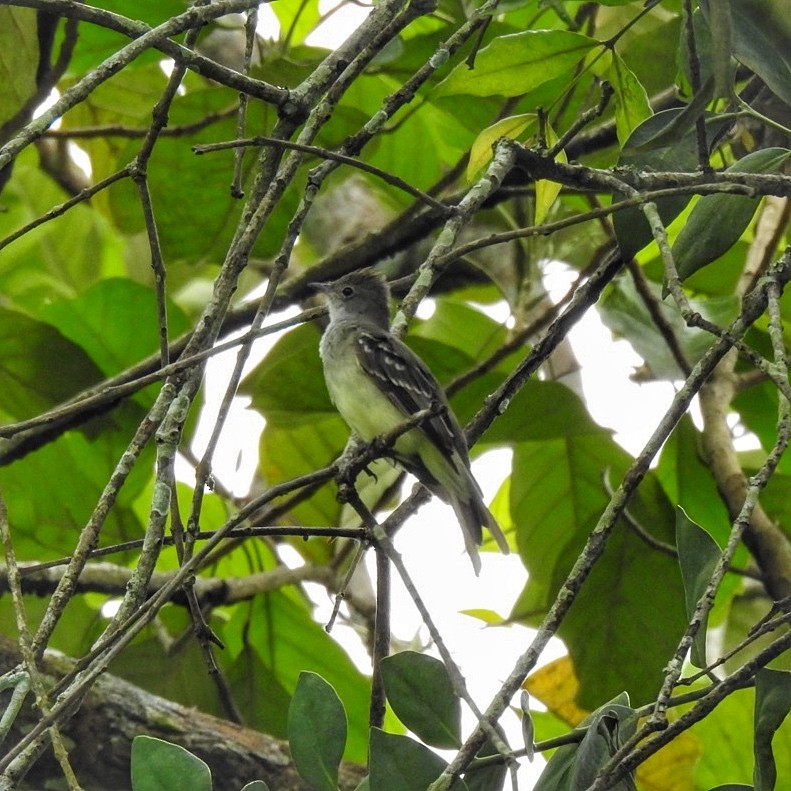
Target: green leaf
pixel 717 221
pixel 515 127
pixel 698 554
pixel 444 139
pixel 491 774
pixel 316 731
pixel 293 358
pixel 631 100
pixel 547 191
pixel 516 64
pixel 420 691
pixel 573 767
pixel 772 704
pixel 402 763
pixel 543 410
pixel 631 227
pixel 161 766
pixel 733 787
pixel 689 484
pixel 278 630
pixel 99 320
pixel 131 95
pixel 557 498
pixel 297 21
pixel 732 724
pixel 624 311
pixel 39 368
pixel 97 42
pixel 761 39
pixel 19 59
pixel 57 259
pixel 608 729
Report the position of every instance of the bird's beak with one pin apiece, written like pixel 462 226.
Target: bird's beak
pixel 322 287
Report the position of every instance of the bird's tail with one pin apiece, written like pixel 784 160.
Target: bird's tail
pixel 472 515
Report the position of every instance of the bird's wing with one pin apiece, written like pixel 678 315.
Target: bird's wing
pixel 409 385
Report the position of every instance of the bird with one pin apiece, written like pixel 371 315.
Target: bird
pixel 377 382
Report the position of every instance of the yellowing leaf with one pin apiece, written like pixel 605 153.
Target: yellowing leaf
pixel 547 191
pixel 673 767
pixel 514 127
pixel 556 686
pixel 670 769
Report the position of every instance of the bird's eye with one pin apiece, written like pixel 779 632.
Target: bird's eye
pixel 347 291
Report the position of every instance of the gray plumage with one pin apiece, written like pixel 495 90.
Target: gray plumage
pixel 376 382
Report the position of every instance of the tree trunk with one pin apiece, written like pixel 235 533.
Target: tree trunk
pixel 99 738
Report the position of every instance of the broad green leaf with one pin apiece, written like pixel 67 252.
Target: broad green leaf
pixel 158 765
pixel 293 358
pixel 777 496
pixel 543 410
pixel 703 46
pixel 732 723
pixel 443 136
pixel 96 42
pixel 491 775
pixel 126 98
pixel 99 320
pixel 608 729
pixel 572 767
pixel 402 763
pixel 18 61
pixel 76 469
pixel 631 100
pixel 58 259
pixel 688 482
pixel 557 498
pixel 517 64
pixel 420 691
pixel 624 311
pixel 297 21
pixel 631 227
pixel 459 327
pixel 698 554
pixel 556 775
pixel 279 630
pixel 743 613
pixel 761 39
pixel 515 127
pixel 717 221
pixel 757 407
pixel 149 665
pixel 316 731
pixel 772 704
pixel 39 367
pixel 733 787
pixel 131 96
